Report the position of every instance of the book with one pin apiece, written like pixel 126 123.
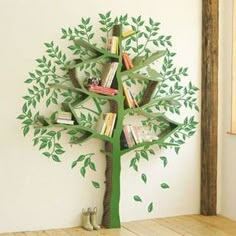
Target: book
pixel 128 136
pixel 64 115
pixel 123 141
pixel 65 121
pixel 114 115
pixel 127 61
pixel 130 99
pixel 103 90
pixel 127 33
pixel 101 124
pixel 128 96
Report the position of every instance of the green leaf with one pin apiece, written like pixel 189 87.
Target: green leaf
pixel 144 155
pixel 151 151
pixel 144 178
pixel 74 163
pixel 26 129
pixel 96 184
pixel 83 171
pixel 92 166
pixel 165 161
pixel 87 161
pixel 21 117
pixel 165 186
pixel 47 154
pixel 177 150
pixel 59 151
pixel 81 158
pixel 42 145
pixel 51 133
pixel 55 158
pixel 150 207
pixel 102 16
pixel 137 198
pixel 24 108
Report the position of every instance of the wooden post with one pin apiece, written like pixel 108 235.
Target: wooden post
pixel 209 115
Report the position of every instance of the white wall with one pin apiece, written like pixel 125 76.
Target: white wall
pixel 37 193
pixel 227 142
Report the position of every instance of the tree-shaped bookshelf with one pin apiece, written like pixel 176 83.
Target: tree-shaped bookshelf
pixel 97 88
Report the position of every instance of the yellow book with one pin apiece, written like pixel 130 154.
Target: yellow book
pixel 108 124
pixel 127 33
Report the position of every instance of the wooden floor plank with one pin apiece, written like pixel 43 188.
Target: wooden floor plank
pixel 222 223
pixel 42 233
pixel 193 225
pixel 30 234
pixel 150 228
pixel 198 228
pixel 172 224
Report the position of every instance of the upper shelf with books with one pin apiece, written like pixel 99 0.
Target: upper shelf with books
pixel 99 53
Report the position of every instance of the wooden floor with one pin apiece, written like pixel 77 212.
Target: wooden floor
pixel 193 225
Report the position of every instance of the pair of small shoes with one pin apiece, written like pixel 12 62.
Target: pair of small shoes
pixel 89 219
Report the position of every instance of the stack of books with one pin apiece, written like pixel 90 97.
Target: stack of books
pixel 106 124
pixel 108 74
pixel 113 41
pixel 64 118
pixel 138 134
pixel 130 99
pixel 127 61
pixel 113 44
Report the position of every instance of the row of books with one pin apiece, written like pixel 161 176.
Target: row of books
pixel 64 118
pixel 113 44
pixel 108 74
pixel 106 124
pixel 137 134
pixel 113 41
pixel 130 99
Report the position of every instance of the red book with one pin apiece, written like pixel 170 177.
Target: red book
pixel 103 90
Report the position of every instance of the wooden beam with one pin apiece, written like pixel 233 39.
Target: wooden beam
pixel 233 106
pixel 209 115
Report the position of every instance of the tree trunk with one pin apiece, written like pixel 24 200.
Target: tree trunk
pixel 111 216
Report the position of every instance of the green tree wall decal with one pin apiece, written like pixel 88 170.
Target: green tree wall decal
pixel 157 82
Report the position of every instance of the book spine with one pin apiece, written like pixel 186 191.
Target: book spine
pixel 112 124
pixel 125 61
pixel 104 124
pixel 108 124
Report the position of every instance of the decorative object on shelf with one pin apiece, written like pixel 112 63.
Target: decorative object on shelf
pixel 134 56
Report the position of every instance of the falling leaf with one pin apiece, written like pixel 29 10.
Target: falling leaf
pixel 165 186
pixel 96 184
pixel 137 198
pixel 150 207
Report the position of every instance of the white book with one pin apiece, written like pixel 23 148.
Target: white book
pixel 65 121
